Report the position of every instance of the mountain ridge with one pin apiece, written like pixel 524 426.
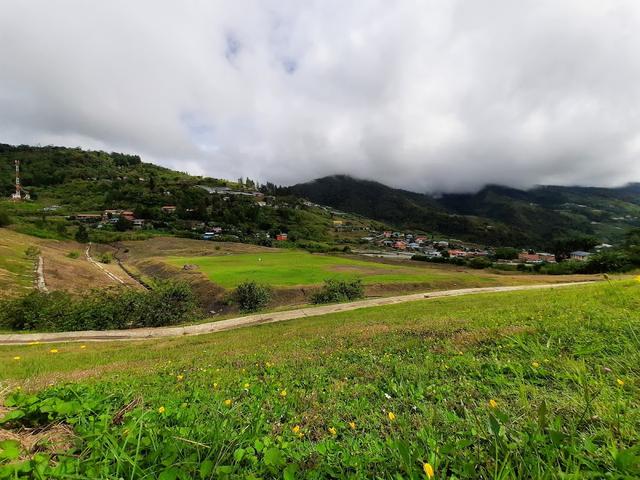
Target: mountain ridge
pixel 494 214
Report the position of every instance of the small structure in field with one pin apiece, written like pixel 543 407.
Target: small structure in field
pixel 281 237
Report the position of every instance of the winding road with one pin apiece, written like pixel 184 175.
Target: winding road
pixel 256 319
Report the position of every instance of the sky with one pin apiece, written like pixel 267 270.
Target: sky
pixel 431 96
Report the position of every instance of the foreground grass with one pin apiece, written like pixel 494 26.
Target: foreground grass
pixel 288 268
pixel 540 384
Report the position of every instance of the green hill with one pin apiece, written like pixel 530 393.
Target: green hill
pixel 80 181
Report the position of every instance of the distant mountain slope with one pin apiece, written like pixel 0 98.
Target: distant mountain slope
pixel 494 215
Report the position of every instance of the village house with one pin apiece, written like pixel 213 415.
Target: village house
pixel 138 223
pixel 88 217
pixel 579 255
pixel 457 253
pixel 536 257
pixel 169 209
pixel 128 215
pixel 281 237
pixel 400 245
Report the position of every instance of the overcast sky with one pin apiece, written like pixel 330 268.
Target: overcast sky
pixel 435 96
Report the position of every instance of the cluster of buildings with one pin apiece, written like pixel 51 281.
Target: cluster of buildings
pixel 110 217
pixel 422 244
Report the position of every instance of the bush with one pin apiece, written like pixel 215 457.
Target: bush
pixel 82 236
pixel 479 263
pixel 73 254
pixel 252 296
pixel 32 251
pixel 339 291
pixel 106 258
pixel 5 219
pixel 167 304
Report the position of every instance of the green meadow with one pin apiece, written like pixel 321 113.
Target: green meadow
pixel 16 269
pixel 289 268
pixel 535 384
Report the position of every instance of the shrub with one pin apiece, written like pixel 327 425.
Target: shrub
pixel 167 304
pixel 32 251
pixel 82 235
pixel 5 219
pixel 106 257
pixel 479 263
pixel 339 291
pixel 73 254
pixel 252 296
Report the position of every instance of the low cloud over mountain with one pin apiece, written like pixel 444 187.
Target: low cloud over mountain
pixel 439 96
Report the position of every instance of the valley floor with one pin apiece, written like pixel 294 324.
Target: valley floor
pixel 527 384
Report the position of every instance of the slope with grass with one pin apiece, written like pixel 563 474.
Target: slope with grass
pixel 65 265
pixel 16 269
pixel 540 384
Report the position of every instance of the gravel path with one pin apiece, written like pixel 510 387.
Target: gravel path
pixel 257 319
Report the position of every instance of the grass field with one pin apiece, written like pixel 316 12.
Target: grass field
pixel 16 269
pixel 289 268
pixel 538 384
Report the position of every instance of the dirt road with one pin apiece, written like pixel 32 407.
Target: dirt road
pixel 249 320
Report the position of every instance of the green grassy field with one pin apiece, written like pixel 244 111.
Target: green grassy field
pixel 16 269
pixel 290 268
pixel 538 384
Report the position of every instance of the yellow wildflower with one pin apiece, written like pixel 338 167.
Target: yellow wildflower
pixel 161 410
pixel 352 425
pixel 215 385
pixel 228 402
pixel 17 357
pixel 638 278
pixel 620 382
pixel 391 416
pixel 82 347
pixel 179 377
pixel 246 385
pixel 493 403
pixel 268 364
pixel 53 350
pixel 296 429
pixel 283 393
pixel 535 364
pixel 428 470
pixel 333 431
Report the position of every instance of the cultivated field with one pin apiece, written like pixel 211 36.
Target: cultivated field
pixel 65 266
pixel 538 384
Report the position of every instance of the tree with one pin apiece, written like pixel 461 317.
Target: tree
pixel 506 253
pixel 564 246
pixel 123 224
pixel 82 235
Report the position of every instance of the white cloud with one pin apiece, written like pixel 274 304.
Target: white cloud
pixel 426 95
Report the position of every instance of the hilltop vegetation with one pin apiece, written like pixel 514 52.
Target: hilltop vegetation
pixel 495 215
pixel 80 181
pixel 516 385
pixel 92 181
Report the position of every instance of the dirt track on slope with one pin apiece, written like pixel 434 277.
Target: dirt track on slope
pixel 249 320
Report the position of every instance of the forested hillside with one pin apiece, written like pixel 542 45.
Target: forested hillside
pixel 496 215
pixel 80 181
